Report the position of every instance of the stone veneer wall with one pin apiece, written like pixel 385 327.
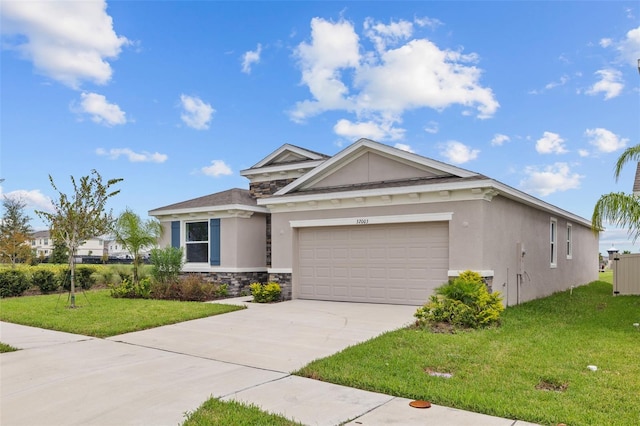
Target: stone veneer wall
pixel 285 284
pixel 237 282
pixel 268 188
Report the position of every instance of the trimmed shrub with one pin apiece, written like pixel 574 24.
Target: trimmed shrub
pixel 127 288
pixel 84 277
pixel 13 282
pixel 463 302
pixel 265 293
pixel 45 280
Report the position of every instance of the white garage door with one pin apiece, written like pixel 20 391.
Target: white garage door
pixel 394 263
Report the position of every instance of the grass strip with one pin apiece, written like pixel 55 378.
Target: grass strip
pixel 6 348
pixel 215 412
pixel 99 315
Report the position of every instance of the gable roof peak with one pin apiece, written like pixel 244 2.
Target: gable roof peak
pixel 363 145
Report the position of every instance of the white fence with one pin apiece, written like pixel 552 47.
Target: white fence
pixel 626 274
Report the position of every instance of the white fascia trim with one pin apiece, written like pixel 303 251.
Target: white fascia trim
pixel 457 272
pixel 286 147
pixel 373 220
pixel 210 210
pixel 280 271
pixel 274 200
pixel 281 168
pixel 525 198
pixel 375 146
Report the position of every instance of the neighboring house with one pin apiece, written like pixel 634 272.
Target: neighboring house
pixel 42 243
pixel 377 224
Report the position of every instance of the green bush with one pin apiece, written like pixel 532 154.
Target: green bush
pixel 166 264
pixel 84 277
pixel 45 280
pixel 129 289
pixel 13 283
pixel 265 293
pixel 463 302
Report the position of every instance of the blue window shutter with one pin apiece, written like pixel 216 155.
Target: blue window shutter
pixel 214 241
pixel 175 234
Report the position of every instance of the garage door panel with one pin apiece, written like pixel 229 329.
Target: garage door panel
pixel 394 263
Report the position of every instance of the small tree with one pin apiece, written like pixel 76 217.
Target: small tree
pixel 59 253
pixel 15 232
pixel 135 234
pixel 617 207
pixel 80 217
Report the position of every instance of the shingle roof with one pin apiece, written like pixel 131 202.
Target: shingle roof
pixel 231 196
pixel 636 182
pixel 387 184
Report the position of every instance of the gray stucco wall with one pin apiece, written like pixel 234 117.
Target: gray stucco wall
pixel 243 241
pixel 483 236
pixel 508 223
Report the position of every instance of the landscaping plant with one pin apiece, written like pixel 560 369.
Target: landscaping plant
pixel 463 302
pixel 45 280
pixel 13 282
pixel 265 293
pixel 166 264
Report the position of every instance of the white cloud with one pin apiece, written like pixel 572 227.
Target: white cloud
pixel 368 129
pixel 428 22
pixel 101 111
pixel 217 168
pixel 583 153
pixel 381 84
pixel 550 179
pixel 196 113
pixel 383 35
pixel 33 199
pixel 68 41
pixel 609 84
pixel 605 42
pixel 499 139
pixel 605 140
pixel 561 82
pixel 333 47
pixel 134 157
pixel 628 48
pixel 432 127
pixel 458 153
pixel 404 147
pixel 550 143
pixel 251 57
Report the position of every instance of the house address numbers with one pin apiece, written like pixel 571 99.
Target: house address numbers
pixel 362 221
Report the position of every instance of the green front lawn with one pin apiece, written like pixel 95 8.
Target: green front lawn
pixel 99 315
pixel 532 368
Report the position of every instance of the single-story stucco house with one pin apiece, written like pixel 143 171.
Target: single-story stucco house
pixel 377 224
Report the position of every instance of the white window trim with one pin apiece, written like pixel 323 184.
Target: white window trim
pixel 186 241
pixel 569 246
pixel 553 242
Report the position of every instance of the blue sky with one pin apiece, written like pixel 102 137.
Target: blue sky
pixel 177 97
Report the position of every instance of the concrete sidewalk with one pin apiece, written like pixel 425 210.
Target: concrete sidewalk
pixel 154 377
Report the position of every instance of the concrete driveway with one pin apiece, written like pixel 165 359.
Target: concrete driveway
pixel 280 337
pixel 153 377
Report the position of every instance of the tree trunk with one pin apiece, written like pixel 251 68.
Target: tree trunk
pixel 72 291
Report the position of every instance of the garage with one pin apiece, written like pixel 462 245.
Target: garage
pixel 399 263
